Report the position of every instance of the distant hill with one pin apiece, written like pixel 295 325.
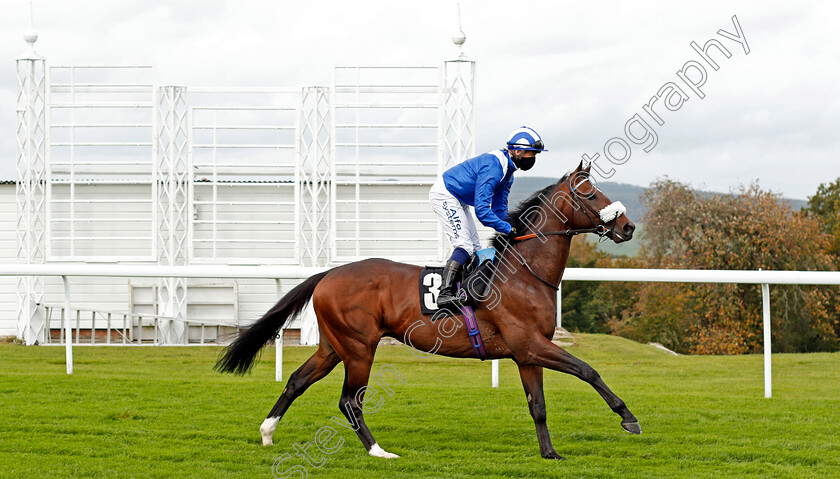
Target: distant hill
pixel 629 195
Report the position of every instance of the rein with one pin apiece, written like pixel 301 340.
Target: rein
pixel 600 230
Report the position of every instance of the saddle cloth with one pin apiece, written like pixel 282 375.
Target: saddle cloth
pixel 476 280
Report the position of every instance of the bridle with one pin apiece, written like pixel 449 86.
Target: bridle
pixel 591 213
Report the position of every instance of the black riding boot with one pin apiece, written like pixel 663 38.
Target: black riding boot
pixel 447 297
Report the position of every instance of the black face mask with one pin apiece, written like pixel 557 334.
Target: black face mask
pixel 525 164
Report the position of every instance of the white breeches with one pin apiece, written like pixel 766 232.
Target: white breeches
pixel 455 218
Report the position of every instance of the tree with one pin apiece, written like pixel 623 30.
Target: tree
pixel 579 307
pixel 825 206
pixel 745 230
pixel 592 307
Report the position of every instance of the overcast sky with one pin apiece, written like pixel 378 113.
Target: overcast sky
pixel 574 71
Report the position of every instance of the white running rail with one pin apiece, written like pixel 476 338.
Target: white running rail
pixel 764 278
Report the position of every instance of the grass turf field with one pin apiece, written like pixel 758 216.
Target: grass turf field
pixel 163 413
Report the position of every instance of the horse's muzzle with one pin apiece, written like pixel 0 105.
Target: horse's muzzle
pixel 628 230
pixel 624 233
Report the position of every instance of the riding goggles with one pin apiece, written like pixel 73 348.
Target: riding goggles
pixel 536 146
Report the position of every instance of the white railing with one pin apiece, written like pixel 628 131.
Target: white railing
pixel 277 273
pixel 119 323
pixel 123 328
pixel 764 278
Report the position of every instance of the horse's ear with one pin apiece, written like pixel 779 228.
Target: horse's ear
pixel 584 166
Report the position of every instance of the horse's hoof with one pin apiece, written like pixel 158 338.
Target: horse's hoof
pixel 632 427
pixel 377 451
pixel 553 455
pixel 267 430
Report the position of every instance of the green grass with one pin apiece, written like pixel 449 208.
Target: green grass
pixel 162 413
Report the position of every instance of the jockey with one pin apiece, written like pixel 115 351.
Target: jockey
pixel 484 183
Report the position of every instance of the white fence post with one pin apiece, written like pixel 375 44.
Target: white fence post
pixel 68 330
pixel 559 313
pixel 278 342
pixel 495 373
pixel 765 306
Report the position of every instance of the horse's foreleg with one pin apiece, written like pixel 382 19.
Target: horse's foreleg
pixel 532 381
pixel 356 375
pixel 316 367
pixel 547 354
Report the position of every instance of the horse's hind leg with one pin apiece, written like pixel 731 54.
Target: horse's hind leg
pixel 547 354
pixel 316 367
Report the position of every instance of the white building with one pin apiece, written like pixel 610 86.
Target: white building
pixel 114 168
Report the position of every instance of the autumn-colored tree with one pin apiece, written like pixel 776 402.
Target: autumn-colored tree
pixel 652 315
pixel 745 230
pixel 591 307
pixel 825 206
pixel 579 307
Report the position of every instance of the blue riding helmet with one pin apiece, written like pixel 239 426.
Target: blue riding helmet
pixel 525 138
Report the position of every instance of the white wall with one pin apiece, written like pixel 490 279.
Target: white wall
pixel 8 254
pixel 395 226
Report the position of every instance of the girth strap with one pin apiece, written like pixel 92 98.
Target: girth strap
pixel 472 330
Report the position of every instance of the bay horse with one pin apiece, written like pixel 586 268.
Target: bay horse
pixel 358 303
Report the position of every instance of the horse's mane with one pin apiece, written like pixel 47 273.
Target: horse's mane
pixel 520 216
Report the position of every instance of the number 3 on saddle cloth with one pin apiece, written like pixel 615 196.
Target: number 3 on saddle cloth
pixel 474 286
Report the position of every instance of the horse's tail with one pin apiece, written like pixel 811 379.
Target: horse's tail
pixel 239 357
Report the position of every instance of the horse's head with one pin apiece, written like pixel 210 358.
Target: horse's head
pixel 589 207
pixel 571 206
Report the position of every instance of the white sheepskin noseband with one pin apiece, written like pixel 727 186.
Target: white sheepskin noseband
pixel 612 211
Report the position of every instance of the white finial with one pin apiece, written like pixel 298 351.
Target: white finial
pixel 30 36
pixel 460 37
